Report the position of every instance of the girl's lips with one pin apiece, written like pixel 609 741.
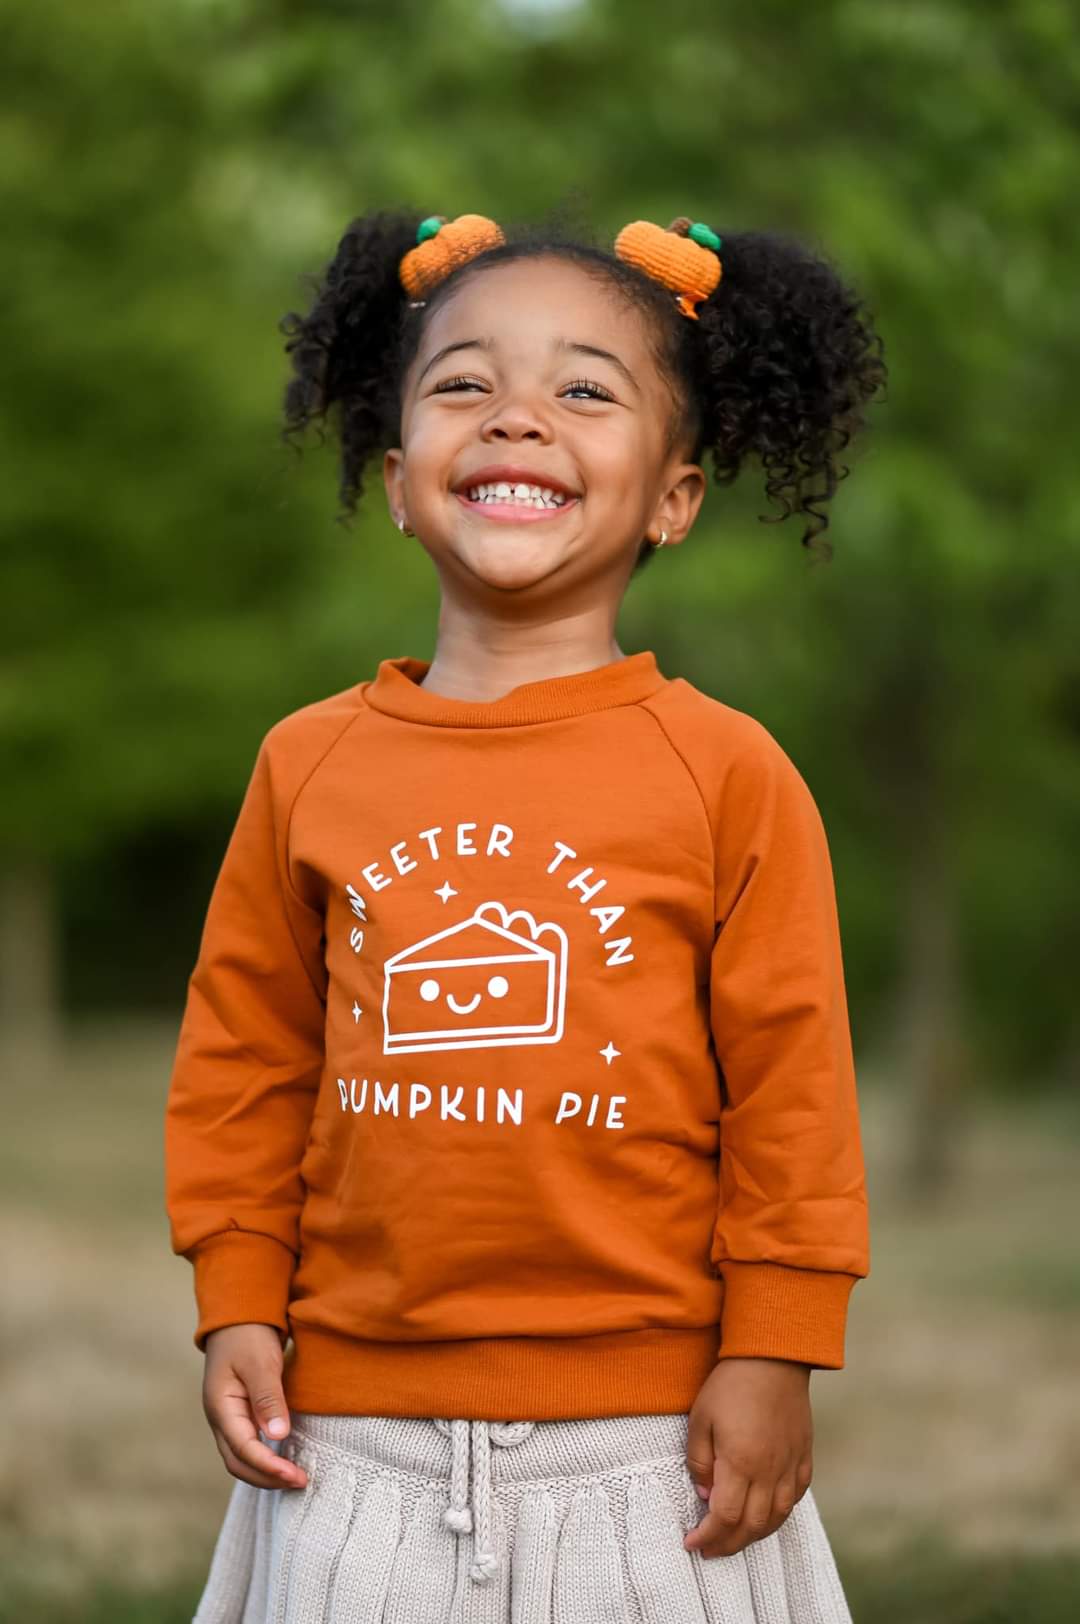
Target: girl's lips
pixel 516 512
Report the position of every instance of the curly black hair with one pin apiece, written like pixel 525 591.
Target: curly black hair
pixel 778 366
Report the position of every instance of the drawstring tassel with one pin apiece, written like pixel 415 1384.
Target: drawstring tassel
pixel 477 1520
pixel 485 1566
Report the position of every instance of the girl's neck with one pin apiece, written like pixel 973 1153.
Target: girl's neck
pixel 479 661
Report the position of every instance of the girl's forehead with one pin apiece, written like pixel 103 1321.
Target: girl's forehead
pixel 535 300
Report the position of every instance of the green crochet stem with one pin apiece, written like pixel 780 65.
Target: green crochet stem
pixel 428 228
pixel 707 238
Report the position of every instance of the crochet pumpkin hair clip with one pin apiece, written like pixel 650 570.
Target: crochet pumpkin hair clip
pixel 441 246
pixel 684 258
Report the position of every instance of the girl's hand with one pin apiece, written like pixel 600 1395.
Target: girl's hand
pixel 242 1392
pixel 749 1451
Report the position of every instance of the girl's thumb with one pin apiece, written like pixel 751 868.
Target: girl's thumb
pixel 271 1411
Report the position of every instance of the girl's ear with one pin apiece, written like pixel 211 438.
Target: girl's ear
pixel 394 480
pixel 680 503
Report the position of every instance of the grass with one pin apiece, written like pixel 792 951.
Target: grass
pixel 946 1452
pixel 936 1586
pixel 104 1603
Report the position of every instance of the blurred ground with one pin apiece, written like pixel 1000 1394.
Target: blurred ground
pixel 947 1453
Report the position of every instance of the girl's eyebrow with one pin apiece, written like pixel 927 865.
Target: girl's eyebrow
pixel 600 355
pixel 560 344
pixel 449 349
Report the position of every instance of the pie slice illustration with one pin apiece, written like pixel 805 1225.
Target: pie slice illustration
pixel 480 984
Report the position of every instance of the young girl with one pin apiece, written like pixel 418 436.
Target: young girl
pixel 513 1131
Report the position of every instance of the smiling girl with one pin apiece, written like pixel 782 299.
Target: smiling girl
pixel 532 1360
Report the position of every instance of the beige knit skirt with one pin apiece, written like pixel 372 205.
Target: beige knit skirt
pixel 410 1521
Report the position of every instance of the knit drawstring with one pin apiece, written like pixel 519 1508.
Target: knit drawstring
pixel 458 1516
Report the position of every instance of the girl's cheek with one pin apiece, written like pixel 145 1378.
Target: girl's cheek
pixel 431 454
pixel 616 470
pixel 426 465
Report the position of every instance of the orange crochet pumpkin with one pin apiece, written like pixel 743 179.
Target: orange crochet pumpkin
pixel 672 258
pixel 442 247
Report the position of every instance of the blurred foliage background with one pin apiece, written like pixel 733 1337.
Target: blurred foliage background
pixel 173 580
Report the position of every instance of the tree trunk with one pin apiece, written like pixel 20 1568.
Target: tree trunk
pixel 31 1019
pixel 933 1063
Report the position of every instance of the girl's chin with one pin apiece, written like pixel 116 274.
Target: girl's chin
pixel 517 512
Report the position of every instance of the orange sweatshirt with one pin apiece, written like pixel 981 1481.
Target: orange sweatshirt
pixel 515 1078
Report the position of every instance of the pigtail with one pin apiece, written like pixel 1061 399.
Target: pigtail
pixel 786 360
pixel 344 351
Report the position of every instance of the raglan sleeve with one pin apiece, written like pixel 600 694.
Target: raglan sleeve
pixel 792 1231
pixel 246 1072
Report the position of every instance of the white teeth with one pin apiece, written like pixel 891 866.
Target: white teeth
pixel 528 495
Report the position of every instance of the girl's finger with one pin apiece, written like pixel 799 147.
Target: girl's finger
pixel 233 1417
pixel 246 1474
pixel 723 1537
pixel 785 1497
pixel 725 1509
pixel 283 1473
pixel 759 1518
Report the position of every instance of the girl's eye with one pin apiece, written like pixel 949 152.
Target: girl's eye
pixel 592 391
pixel 457 383
pixel 580 386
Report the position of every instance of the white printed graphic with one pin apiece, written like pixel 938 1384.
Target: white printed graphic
pixel 444 992
pixel 359 908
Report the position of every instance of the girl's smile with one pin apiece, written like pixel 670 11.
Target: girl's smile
pixel 518 511
pixel 514 494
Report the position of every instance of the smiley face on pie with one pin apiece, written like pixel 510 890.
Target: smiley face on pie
pixel 479 984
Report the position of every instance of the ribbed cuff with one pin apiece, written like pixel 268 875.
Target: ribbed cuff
pixel 241 1278
pixel 772 1311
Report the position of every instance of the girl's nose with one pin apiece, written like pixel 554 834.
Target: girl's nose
pixel 514 421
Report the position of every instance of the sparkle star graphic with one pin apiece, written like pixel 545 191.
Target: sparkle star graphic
pixel 446 891
pixel 356 1011
pixel 610 1052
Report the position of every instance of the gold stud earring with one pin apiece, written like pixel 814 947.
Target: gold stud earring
pixel 663 539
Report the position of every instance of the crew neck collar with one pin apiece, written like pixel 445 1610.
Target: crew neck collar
pixel 395 690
